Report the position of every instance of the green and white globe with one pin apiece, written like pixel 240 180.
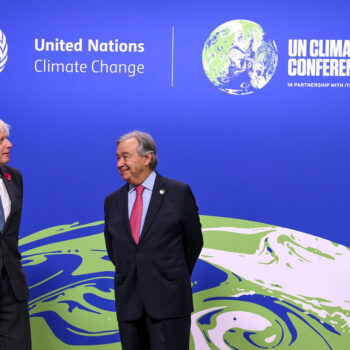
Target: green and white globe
pixel 238 59
pixel 255 286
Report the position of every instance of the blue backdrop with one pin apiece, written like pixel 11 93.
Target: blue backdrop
pixel 277 156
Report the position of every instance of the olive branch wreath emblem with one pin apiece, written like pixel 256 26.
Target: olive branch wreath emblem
pixel 3 50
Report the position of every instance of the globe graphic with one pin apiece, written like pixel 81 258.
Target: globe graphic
pixel 255 286
pixel 238 59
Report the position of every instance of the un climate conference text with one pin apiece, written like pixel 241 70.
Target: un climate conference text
pixel 327 58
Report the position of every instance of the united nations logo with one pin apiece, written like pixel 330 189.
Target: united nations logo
pixel 238 59
pixel 3 51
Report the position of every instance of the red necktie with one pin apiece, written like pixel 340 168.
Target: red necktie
pixel 136 214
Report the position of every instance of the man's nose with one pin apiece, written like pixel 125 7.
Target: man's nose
pixel 8 143
pixel 120 162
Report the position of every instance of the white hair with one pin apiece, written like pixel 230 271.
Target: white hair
pixel 4 127
pixel 145 145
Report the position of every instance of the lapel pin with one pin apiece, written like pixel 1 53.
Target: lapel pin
pixel 162 191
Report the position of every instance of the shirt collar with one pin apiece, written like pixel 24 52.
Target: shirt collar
pixel 148 183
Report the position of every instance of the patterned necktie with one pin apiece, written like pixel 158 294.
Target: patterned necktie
pixel 2 216
pixel 136 214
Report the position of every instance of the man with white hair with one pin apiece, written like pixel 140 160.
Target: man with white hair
pixel 14 293
pixel 154 238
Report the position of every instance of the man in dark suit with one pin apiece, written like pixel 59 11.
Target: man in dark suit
pixel 153 237
pixel 14 315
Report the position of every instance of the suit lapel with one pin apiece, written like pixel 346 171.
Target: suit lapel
pixel 158 195
pixel 123 207
pixel 11 190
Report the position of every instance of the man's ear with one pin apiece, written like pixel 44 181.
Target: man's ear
pixel 148 158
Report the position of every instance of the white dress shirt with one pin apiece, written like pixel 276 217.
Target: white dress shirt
pixel 5 199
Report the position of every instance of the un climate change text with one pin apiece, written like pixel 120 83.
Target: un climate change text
pixel 114 47
pixel 327 58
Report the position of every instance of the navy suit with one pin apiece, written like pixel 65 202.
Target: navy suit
pixel 14 293
pixel 154 276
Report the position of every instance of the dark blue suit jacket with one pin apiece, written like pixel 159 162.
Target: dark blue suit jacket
pixel 155 274
pixel 9 254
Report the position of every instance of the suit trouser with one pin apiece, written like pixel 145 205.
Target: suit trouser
pixel 14 318
pixel 148 333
